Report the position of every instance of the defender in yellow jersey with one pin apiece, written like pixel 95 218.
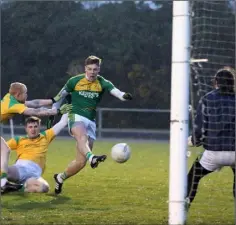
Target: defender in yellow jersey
pixel 15 103
pixel 31 153
pixel 86 92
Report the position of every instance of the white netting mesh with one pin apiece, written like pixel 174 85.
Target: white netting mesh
pixel 213 38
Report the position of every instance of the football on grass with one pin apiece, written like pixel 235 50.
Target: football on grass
pixel 120 152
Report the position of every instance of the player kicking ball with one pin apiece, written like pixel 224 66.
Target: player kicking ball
pixel 86 92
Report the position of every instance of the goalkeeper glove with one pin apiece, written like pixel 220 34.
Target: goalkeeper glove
pixel 66 108
pixel 127 96
pixel 193 143
pixel 190 143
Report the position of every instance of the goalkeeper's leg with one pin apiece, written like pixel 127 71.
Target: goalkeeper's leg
pixel 196 173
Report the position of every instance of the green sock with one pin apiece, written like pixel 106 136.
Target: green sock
pixel 89 156
pixel 3 175
pixel 22 189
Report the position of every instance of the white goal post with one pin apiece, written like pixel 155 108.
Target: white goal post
pixel 180 74
pixel 207 30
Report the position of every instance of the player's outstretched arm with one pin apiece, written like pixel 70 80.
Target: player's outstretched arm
pixel 61 124
pixel 37 103
pixel 47 112
pixel 121 95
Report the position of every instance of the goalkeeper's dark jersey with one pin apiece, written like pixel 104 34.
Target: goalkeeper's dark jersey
pixel 215 122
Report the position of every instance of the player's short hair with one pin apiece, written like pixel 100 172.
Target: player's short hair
pixel 16 87
pixel 225 79
pixel 93 60
pixel 32 119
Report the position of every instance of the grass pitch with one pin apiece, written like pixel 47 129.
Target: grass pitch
pixel 135 192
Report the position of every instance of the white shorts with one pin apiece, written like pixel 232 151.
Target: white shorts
pixel 214 160
pixel 90 126
pixel 27 169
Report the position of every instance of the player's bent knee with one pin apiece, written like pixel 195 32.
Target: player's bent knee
pixel 81 139
pixel 80 158
pixel 79 133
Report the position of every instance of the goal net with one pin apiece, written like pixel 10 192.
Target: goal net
pixel 213 47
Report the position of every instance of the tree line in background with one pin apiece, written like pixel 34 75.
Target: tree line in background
pixel 44 43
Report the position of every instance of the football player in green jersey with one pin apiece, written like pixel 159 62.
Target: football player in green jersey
pixel 86 92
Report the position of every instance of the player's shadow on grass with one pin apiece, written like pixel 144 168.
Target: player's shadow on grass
pixel 35 204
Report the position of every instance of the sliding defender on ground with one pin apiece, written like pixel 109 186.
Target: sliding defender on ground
pixel 214 129
pixel 31 153
pixel 15 103
pixel 86 92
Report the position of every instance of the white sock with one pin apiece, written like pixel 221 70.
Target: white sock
pixel 89 156
pixel 59 178
pixel 3 181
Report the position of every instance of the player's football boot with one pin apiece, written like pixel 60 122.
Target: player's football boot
pixel 58 185
pixel 96 160
pixel 10 187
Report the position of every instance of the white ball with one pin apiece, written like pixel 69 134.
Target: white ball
pixel 120 152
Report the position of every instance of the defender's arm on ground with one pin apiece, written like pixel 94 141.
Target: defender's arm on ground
pixel 38 103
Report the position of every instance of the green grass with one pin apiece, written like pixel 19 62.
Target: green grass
pixel 135 192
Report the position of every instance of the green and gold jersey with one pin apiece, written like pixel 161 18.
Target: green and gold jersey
pixel 10 107
pixel 86 94
pixel 32 149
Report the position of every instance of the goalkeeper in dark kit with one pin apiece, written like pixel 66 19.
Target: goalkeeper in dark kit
pixel 214 129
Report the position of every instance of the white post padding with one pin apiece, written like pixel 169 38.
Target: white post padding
pixel 180 74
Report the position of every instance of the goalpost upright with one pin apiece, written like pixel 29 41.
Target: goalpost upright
pixel 179 123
